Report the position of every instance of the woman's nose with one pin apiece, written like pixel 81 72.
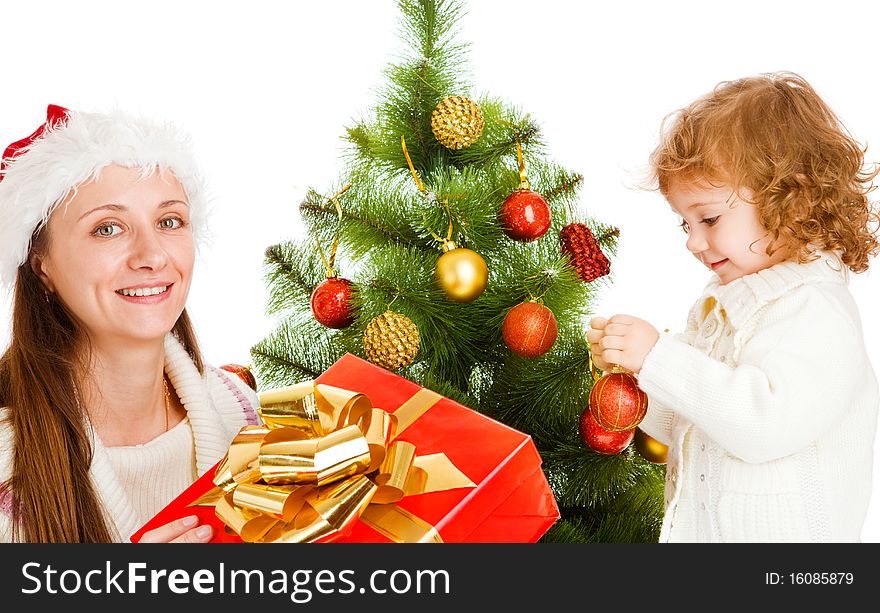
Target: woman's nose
pixel 147 251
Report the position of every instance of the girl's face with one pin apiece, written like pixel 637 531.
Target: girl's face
pixel 120 255
pixel 724 232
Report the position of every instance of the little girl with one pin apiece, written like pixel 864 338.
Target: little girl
pixel 767 401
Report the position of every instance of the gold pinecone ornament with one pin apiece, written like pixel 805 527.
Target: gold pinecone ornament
pixel 391 340
pixel 457 122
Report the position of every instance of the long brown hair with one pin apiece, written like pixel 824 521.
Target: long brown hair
pixel 774 135
pixel 53 497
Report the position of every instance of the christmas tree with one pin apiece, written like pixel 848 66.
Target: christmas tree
pixel 454 252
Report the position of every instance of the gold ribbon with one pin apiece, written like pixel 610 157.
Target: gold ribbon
pixel 597 374
pixel 410 164
pixel 444 241
pixel 323 459
pixel 523 182
pixel 328 263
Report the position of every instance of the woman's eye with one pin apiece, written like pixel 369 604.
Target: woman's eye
pixel 171 223
pixel 710 221
pixel 106 230
pixel 685 226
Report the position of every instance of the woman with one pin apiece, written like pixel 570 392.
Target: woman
pixel 109 412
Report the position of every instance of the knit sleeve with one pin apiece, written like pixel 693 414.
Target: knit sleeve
pixel 798 375
pixel 658 420
pixel 246 401
pixel 6 535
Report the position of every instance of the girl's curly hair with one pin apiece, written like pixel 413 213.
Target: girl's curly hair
pixel 774 136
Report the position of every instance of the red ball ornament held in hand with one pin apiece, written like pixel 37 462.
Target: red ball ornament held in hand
pixel 525 215
pixel 331 302
pixel 616 402
pixel 529 329
pixel 601 440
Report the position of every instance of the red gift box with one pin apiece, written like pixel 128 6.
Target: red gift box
pixel 510 502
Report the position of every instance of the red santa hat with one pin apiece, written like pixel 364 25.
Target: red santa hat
pixel 39 172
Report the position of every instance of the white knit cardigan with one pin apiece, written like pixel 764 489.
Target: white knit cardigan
pixel 768 403
pixel 217 404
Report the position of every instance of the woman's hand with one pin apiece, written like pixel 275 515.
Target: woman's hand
pixel 185 530
pixel 623 340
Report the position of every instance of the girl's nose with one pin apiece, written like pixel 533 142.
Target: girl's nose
pixel 696 242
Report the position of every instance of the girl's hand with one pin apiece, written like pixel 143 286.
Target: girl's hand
pixel 184 530
pixel 626 341
pixel 594 337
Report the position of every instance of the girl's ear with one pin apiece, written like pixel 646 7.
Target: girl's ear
pixel 38 265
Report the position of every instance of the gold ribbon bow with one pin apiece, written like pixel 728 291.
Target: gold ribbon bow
pixel 323 459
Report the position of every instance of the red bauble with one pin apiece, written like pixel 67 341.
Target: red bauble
pixel 243 372
pixel 525 215
pixel 616 402
pixel 601 440
pixel 529 329
pixel 331 302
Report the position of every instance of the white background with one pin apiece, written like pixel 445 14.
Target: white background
pixel 266 91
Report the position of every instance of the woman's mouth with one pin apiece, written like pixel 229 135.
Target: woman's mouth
pixel 145 295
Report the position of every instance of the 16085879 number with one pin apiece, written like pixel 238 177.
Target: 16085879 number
pixel 801 578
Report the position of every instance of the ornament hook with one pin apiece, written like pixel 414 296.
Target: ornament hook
pixel 329 262
pixel 443 241
pixel 410 164
pixel 523 182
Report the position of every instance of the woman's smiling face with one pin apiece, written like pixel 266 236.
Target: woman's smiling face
pixel 120 254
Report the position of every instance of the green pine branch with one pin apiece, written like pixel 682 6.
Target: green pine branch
pixel 292 272
pixel 299 349
pixel 503 127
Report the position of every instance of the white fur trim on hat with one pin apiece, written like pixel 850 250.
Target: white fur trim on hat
pixel 68 154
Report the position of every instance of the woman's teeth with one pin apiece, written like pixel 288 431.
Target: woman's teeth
pixel 143 291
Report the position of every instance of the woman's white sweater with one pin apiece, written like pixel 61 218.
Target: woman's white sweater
pixel 167 463
pixel 768 403
pixel 135 482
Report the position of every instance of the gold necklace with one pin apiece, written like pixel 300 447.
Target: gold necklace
pixel 167 402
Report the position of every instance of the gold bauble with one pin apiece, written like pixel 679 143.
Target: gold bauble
pixel 650 448
pixel 461 272
pixel 391 340
pixel 457 122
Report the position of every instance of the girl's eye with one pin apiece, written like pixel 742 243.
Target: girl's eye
pixel 106 230
pixel 711 221
pixel 171 223
pixel 685 226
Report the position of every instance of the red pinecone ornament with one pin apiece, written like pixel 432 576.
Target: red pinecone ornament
pixel 616 402
pixel 582 248
pixel 529 329
pixel 331 302
pixel 601 440
pixel 244 373
pixel 525 215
